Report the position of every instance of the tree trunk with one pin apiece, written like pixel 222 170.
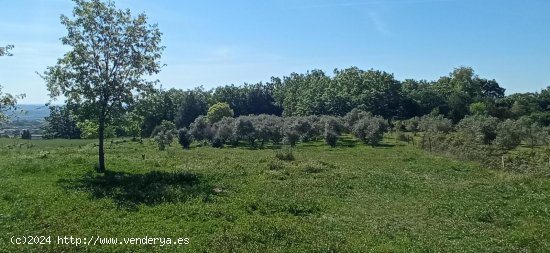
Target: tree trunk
pixel 101 168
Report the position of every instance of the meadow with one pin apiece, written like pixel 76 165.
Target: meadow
pixel 353 198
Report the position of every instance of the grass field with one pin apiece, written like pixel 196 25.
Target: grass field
pixel 353 198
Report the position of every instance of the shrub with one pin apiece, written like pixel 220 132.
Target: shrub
pixel 435 124
pixel 200 129
pixel 508 135
pixel 244 129
pixel 290 135
pixel 218 111
pixel 285 154
pixel 533 133
pixel 478 128
pixel 354 116
pixel 223 132
pixel 165 134
pixel 411 124
pixel 184 138
pixel 332 130
pixel 268 127
pixel 370 130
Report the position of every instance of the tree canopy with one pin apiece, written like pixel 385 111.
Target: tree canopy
pixel 111 51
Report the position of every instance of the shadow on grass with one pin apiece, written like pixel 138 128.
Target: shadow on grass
pixel 129 190
pixel 347 142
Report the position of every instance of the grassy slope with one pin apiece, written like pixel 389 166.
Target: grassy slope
pixel 347 199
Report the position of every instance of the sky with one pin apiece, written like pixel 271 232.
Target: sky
pixel 213 43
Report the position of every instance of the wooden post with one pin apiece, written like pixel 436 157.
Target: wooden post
pixel 502 159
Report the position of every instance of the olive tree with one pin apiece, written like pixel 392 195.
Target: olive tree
pixel 370 130
pixel 110 52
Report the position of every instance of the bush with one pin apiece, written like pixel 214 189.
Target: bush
pixel 285 154
pixel 290 135
pixel 370 130
pixel 411 124
pixel 165 134
pixel 478 128
pixel 184 138
pixel 243 129
pixel 223 132
pixel 435 124
pixel 331 138
pixel 218 111
pixel 268 127
pixel 332 130
pixel 200 129
pixel 508 135
pixel 354 116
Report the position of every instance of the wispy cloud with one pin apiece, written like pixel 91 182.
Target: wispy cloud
pixel 379 23
pixel 374 3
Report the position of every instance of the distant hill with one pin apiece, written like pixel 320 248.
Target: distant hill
pixel 29 112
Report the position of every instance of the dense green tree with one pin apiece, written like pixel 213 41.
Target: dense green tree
pixel 110 51
pixel 61 124
pixel 217 111
pixel 184 138
pixel 194 103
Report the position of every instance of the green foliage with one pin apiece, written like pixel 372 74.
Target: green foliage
pixel 285 154
pixel 435 124
pixel 184 138
pixel 243 129
pixel 533 133
pixel 370 130
pixel 61 124
pixel 478 108
pixel 110 52
pixel 165 134
pixel 508 135
pixel 194 104
pixel 89 130
pixel 217 111
pixel 200 129
pixel 332 130
pixel 478 128
pixel 7 102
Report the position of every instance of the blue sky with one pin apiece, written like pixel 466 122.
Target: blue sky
pixel 214 43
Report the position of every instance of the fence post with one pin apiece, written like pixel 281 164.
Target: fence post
pixel 502 159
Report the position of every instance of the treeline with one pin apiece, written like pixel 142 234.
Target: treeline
pixel 455 96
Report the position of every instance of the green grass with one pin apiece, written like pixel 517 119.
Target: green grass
pixel 353 198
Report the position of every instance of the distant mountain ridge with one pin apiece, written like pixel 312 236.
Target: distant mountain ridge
pixel 29 112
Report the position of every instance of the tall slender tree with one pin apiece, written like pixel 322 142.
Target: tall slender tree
pixel 103 72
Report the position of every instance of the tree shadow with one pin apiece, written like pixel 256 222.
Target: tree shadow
pixel 384 145
pixel 128 190
pixel 347 142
